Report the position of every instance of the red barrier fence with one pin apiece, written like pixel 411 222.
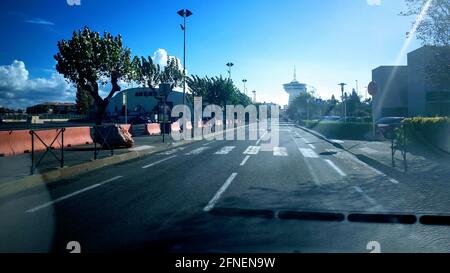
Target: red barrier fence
pixel 19 141
pixel 175 126
pixel 153 129
pixel 126 127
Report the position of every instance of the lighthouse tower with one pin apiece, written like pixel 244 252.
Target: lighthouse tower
pixel 294 88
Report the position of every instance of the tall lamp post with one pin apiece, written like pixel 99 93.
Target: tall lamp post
pixel 229 69
pixel 184 13
pixel 245 88
pixel 342 98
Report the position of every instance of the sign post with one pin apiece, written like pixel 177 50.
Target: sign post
pixel 163 92
pixel 373 88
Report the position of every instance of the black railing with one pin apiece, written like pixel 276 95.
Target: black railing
pixel 48 148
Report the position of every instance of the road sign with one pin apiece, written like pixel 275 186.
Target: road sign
pixel 372 88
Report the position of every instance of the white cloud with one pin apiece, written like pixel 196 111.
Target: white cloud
pixel 160 56
pixel 17 90
pixel 374 2
pixel 39 21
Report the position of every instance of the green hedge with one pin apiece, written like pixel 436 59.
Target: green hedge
pixel 436 131
pixel 340 130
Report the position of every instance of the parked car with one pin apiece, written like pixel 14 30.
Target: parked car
pixel 386 126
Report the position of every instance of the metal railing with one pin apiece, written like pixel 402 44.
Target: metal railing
pixel 48 148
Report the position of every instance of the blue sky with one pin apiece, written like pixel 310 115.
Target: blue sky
pixel 329 41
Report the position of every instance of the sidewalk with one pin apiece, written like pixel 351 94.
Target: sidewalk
pixel 19 166
pixel 425 166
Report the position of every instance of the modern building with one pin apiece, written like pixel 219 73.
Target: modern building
pixel 422 88
pixel 53 108
pixel 295 88
pixel 141 101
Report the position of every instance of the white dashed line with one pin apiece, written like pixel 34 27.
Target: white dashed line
pixel 244 160
pixel 72 194
pixel 197 151
pixel 259 140
pixel 225 150
pixel 252 150
pixel 222 189
pixel 312 146
pixel 336 168
pixel 306 152
pixel 157 162
pixel 280 151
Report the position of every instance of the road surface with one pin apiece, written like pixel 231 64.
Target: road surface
pixel 304 195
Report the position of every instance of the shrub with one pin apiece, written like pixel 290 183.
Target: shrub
pixel 436 131
pixel 340 130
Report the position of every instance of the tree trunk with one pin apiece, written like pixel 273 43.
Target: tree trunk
pixel 101 108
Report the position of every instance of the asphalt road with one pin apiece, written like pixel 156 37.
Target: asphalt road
pixel 230 196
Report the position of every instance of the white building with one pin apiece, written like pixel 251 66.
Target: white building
pixel 295 88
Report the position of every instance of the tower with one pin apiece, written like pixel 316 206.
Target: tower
pixel 294 88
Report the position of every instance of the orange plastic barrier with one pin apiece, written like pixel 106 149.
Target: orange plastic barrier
pixel 153 129
pixel 189 125
pixel 200 124
pixel 5 146
pixel 74 136
pixel 19 141
pixel 175 126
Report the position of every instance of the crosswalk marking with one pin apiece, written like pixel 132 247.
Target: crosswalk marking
pixel 197 151
pixel 280 151
pixel 312 146
pixel 172 151
pixel 140 148
pixel 252 150
pixel 306 152
pixel 225 150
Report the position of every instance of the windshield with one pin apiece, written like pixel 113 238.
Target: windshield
pixel 274 126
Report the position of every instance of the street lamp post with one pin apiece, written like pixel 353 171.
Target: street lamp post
pixel 342 98
pixel 245 88
pixel 229 69
pixel 184 13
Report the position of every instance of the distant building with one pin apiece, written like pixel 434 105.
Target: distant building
pixel 53 108
pixel 295 88
pixel 415 89
pixel 141 101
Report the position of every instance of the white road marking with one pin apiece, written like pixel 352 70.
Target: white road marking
pixel 337 141
pixel 336 168
pixel 368 198
pixel 57 200
pixel 206 144
pixel 252 150
pixel 225 150
pixel 197 151
pixel 312 146
pixel 140 148
pixel 308 165
pixel 368 150
pixel 244 160
pixel 169 152
pixel 259 140
pixel 280 151
pixel 157 162
pixel 306 152
pixel 222 189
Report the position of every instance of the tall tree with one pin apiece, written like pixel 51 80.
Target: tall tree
pixel 434 28
pixel 89 59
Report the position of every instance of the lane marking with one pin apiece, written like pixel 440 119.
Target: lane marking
pixel 312 146
pixel 222 189
pixel 337 141
pixel 140 148
pixel 197 151
pixel 57 200
pixel 259 140
pixel 369 150
pixel 245 160
pixel 225 150
pixel 206 144
pixel 157 162
pixel 306 152
pixel 280 151
pixel 368 198
pixel 169 152
pixel 336 168
pixel 252 150
pixel 308 165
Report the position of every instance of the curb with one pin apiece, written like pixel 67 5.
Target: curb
pixel 51 177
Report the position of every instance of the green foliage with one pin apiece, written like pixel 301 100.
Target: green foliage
pixel 217 90
pixel 150 75
pixel 341 130
pixel 84 101
pixel 89 58
pixel 434 29
pixel 434 130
